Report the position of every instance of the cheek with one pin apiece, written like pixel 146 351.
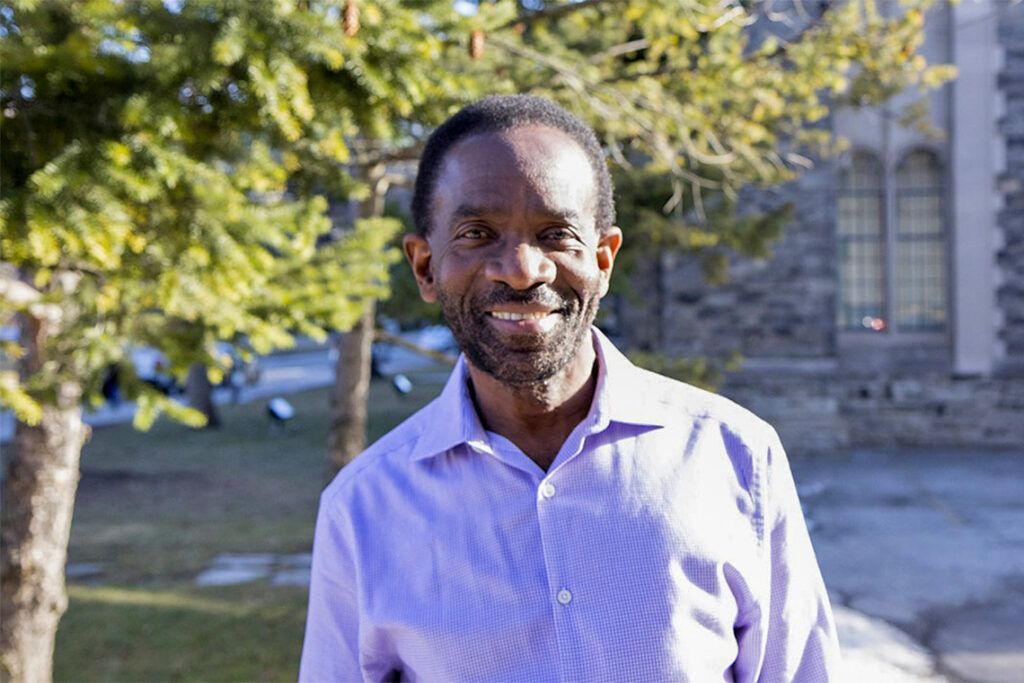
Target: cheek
pixel 585 277
pixel 454 275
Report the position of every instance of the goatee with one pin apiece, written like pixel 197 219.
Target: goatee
pixel 521 359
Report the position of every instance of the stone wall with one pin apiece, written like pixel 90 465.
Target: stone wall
pixel 822 409
pixel 1011 184
pixel 780 307
pixel 823 391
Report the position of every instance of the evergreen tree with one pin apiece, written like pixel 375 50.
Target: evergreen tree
pixel 166 170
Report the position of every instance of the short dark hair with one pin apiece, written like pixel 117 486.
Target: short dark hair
pixel 501 113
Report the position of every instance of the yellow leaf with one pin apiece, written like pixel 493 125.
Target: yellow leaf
pixel 290 160
pixel 370 15
pixel 119 153
pixel 216 375
pixel 136 242
pixel 42 277
pixel 25 408
pixel 334 58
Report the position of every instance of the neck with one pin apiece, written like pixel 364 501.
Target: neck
pixel 538 417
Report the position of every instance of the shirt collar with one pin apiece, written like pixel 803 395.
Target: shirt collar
pixel 624 394
pixel 451 419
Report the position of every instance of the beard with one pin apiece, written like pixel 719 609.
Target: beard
pixel 521 359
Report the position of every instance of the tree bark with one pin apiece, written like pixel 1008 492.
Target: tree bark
pixel 347 437
pixel 38 500
pixel 200 394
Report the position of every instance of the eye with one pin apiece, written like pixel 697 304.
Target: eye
pixel 472 232
pixel 558 234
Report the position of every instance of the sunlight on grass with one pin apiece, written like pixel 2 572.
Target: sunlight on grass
pixel 145 598
pixel 181 633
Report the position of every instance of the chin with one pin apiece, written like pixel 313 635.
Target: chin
pixel 516 367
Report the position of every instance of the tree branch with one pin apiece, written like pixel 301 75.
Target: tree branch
pixel 393 339
pixel 621 49
pixel 370 157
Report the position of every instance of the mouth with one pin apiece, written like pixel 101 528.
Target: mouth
pixel 508 315
pixel 523 322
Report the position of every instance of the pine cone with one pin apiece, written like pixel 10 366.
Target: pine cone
pixel 350 19
pixel 476 44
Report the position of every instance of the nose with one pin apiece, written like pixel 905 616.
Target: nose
pixel 521 265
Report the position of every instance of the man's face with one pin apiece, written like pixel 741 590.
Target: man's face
pixel 513 254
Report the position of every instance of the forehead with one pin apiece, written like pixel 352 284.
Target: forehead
pixel 527 168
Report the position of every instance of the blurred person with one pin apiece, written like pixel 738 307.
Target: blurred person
pixel 556 513
pixel 111 387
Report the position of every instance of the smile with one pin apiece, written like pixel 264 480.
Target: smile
pixel 505 315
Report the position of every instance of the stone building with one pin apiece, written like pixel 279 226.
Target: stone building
pixel 892 311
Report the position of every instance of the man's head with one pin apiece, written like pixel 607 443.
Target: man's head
pixel 500 113
pixel 513 245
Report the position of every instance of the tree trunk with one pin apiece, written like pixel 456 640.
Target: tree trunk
pixel 347 437
pixel 38 501
pixel 200 394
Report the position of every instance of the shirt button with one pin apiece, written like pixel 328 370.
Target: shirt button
pixel 547 489
pixel 564 596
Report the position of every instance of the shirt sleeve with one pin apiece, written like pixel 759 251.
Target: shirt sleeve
pixel 800 644
pixel 330 651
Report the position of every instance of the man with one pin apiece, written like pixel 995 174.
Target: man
pixel 556 514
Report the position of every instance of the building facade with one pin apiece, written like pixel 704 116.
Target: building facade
pixel 892 311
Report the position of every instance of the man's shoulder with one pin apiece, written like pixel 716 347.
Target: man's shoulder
pixel 688 399
pixel 679 400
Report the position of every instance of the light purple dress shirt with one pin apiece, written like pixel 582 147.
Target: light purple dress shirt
pixel 665 542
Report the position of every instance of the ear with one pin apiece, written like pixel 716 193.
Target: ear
pixel 417 252
pixel 608 244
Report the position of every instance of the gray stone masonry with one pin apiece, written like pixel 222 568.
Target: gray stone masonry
pixel 823 391
pixel 1011 184
pixel 782 307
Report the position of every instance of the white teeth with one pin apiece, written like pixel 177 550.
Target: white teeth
pixel 502 315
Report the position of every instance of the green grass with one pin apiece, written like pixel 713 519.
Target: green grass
pixel 155 508
pixel 250 632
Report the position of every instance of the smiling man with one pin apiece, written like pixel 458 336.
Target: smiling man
pixel 556 513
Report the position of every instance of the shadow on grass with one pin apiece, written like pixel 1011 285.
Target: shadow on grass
pixel 177 633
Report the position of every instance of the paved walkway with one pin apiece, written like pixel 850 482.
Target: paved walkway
pixel 931 542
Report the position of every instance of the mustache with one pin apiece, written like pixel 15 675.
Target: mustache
pixel 542 295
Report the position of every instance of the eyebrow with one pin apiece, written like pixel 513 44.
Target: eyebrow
pixel 469 210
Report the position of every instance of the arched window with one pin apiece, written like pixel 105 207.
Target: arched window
pixel 861 245
pixel 892 245
pixel 920 268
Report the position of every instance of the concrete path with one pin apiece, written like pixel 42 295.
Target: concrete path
pixel 930 542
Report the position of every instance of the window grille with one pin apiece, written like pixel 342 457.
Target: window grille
pixel 861 245
pixel 892 246
pixel 920 268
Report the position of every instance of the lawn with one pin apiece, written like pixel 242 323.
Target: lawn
pixel 155 508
